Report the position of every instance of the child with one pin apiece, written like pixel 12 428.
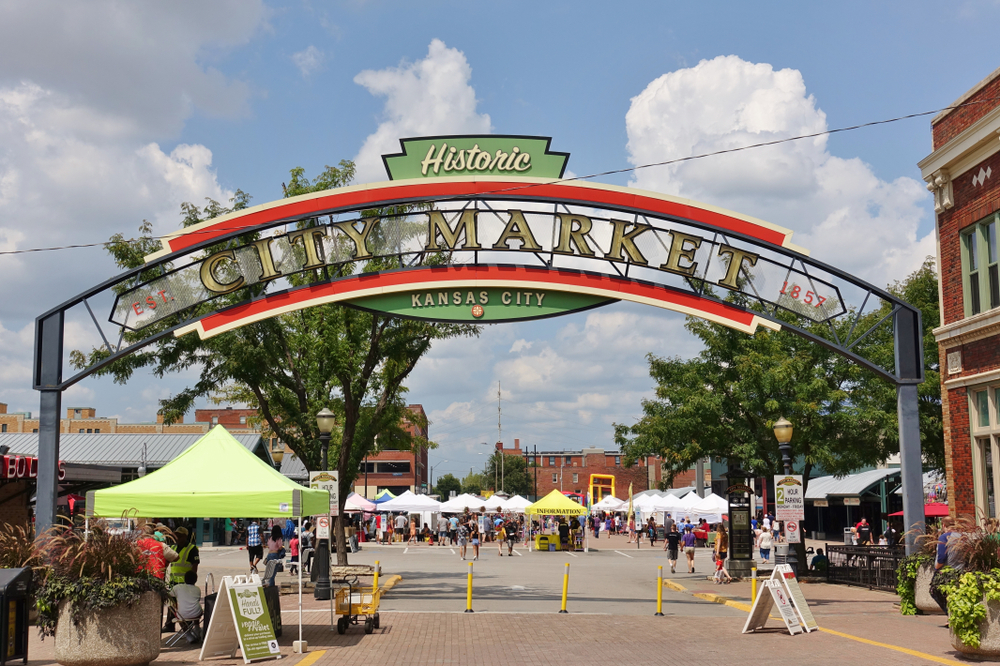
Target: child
pixel 293 546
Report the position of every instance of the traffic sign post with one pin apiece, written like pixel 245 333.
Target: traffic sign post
pixel 789 504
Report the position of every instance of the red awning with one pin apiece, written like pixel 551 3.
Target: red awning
pixel 932 510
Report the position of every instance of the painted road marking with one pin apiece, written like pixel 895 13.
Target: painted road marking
pixel 312 658
pixel 621 553
pixel 517 553
pixel 570 554
pixel 406 551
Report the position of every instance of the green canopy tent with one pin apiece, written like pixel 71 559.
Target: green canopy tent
pixel 217 477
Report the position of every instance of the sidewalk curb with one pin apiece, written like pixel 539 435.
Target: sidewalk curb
pixel 676 587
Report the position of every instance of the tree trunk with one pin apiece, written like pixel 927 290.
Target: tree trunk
pixel 343 463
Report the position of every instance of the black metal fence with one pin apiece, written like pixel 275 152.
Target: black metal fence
pixel 873 567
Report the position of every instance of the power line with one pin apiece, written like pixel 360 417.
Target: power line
pixel 611 172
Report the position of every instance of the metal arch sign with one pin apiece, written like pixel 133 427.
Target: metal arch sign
pixel 482 229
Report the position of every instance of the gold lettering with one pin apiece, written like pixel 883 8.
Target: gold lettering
pixel 517 229
pixel 442 298
pixel 209 279
pixel 456 298
pixel 268 271
pixel 484 297
pixel 437 224
pixel 505 297
pixel 736 259
pixel 428 300
pixel 539 295
pixel 626 241
pixel 469 298
pixel 360 238
pixel 430 160
pixel 577 236
pixel 415 300
pixel 678 251
pixel 309 239
pixel 526 159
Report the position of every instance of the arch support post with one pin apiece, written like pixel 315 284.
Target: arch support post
pixel 908 334
pixel 48 380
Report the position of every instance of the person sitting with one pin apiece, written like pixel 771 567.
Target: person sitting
pixel 189 609
pixel 820 563
pixel 426 534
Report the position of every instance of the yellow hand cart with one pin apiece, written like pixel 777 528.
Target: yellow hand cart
pixel 354 603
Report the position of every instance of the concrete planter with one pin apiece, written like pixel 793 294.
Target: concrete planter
pixel 124 636
pixel 922 591
pixel 989 631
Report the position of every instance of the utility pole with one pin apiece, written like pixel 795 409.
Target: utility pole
pixel 500 438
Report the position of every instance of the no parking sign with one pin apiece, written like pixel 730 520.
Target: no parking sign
pixel 792 533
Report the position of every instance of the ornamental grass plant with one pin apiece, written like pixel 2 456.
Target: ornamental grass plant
pixel 977 583
pixel 100 570
pixel 909 566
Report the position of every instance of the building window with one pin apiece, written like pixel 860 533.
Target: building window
pixel 243 420
pixel 569 460
pixel 576 478
pixel 90 430
pixel 97 431
pixel 82 431
pixel 215 420
pixel 985 447
pixel 618 460
pixel 34 430
pixel 3 427
pixel 552 461
pixel 980 267
pixel 555 478
pixel 531 460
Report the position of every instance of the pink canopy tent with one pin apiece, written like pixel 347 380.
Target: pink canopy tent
pixel 356 502
pixel 932 510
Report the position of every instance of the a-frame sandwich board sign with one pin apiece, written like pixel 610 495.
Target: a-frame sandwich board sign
pixel 240 620
pixel 772 594
pixel 786 575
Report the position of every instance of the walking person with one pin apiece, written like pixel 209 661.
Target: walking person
pixel 651 528
pixel 475 536
pixel 688 541
pixel 293 549
pixel 413 534
pixel 671 545
pixel 463 538
pixel 255 547
pixel 764 544
pixel 721 551
pixel 442 529
pixel 453 530
pixel 501 538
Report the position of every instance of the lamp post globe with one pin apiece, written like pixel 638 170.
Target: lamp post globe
pixel 783 433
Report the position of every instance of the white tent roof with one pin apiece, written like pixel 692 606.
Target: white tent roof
pixel 712 504
pixel 462 502
pixel 850 485
pixel 409 502
pixel 610 503
pixel 516 504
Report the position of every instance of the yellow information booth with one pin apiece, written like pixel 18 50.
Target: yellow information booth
pixel 555 504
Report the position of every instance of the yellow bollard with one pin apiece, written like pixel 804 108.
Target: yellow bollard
pixel 565 588
pixel 468 594
pixel 659 591
pixel 753 584
pixel 375 579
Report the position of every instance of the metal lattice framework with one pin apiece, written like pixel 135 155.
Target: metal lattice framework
pixel 604 241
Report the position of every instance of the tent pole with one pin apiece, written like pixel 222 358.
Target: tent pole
pixel 300 579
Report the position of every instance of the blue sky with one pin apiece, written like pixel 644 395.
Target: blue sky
pixel 112 112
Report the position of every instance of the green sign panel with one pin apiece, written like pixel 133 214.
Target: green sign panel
pixel 253 622
pixel 483 155
pixel 482 305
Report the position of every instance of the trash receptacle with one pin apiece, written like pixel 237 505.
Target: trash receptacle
pixel 15 585
pixel 847 537
pixel 781 553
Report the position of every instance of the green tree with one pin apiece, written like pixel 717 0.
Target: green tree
pixel 724 402
pixel 292 366
pixel 447 483
pixel 511 474
pixel 474 482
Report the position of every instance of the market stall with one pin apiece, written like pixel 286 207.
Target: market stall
pixel 556 504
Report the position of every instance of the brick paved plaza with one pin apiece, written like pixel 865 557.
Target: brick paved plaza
pixel 422 620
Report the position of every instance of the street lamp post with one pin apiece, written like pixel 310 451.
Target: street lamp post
pixel 325 422
pixel 430 483
pixel 783 433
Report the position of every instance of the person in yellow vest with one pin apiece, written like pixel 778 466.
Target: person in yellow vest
pixel 187 560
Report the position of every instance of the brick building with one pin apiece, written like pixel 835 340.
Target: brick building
pixel 84 420
pixel 573 471
pixel 963 173
pixel 396 471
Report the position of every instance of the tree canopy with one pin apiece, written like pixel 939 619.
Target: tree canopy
pixel 290 367
pixel 509 474
pixel 446 484
pixel 725 401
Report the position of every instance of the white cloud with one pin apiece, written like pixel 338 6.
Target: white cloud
pixel 829 202
pixel 430 96
pixel 520 345
pixel 308 60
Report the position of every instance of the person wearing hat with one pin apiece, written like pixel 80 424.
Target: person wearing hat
pixel 155 553
pixel 187 560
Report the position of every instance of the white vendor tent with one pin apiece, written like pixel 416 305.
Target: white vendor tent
pixel 408 502
pixel 460 503
pixel 609 503
pixel 516 504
